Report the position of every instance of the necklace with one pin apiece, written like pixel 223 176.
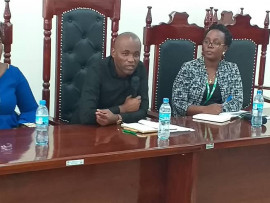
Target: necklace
pixel 211 79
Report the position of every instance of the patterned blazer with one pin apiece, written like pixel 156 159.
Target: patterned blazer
pixel 190 84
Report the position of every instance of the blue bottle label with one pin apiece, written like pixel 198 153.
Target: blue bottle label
pixel 254 106
pixel 42 120
pixel 46 120
pixel 164 116
pixel 257 106
pixel 260 106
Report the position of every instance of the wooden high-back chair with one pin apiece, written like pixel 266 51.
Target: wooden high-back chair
pixel 6 30
pixel 226 17
pixel 244 51
pixel 174 43
pixel 81 37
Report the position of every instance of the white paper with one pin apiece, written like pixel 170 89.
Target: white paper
pixel 212 118
pixel 155 124
pixel 145 126
pixel 234 114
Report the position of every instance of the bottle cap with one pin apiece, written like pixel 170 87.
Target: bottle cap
pixel 165 100
pixel 42 102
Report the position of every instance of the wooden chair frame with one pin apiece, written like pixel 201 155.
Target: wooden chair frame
pixel 241 29
pixel 7 32
pixel 177 28
pixel 108 8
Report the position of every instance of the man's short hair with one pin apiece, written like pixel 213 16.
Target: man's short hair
pixel 128 34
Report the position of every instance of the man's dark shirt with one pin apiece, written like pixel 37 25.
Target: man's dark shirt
pixel 103 89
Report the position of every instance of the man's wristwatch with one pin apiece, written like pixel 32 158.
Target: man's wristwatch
pixel 119 121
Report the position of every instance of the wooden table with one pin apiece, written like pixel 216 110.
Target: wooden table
pixel 120 167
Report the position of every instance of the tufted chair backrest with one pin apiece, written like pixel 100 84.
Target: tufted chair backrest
pixel 175 42
pixel 81 41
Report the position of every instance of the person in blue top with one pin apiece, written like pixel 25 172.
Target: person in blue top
pixel 15 91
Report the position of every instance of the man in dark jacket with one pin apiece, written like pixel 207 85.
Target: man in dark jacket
pixel 116 88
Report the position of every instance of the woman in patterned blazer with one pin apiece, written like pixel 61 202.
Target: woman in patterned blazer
pixel 208 84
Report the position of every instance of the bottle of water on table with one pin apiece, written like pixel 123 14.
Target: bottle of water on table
pixel 257 109
pixel 42 122
pixel 164 120
pixel 41 152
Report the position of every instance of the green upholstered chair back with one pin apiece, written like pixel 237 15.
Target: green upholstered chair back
pixel 172 55
pixel 243 52
pixel 249 43
pixel 82 44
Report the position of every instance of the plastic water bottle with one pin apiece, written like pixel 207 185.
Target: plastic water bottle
pixel 256 131
pixel 257 110
pixel 42 122
pixel 164 120
pixel 41 152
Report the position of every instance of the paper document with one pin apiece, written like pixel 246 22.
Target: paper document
pixel 145 126
pixel 137 127
pixel 234 114
pixel 155 124
pixel 212 118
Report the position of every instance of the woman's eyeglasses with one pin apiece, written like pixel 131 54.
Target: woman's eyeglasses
pixel 213 44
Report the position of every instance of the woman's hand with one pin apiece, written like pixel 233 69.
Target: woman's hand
pixel 213 109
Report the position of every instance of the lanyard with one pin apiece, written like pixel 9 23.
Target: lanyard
pixel 210 142
pixel 210 94
pixel 209 132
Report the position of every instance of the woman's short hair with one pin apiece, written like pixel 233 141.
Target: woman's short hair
pixel 224 29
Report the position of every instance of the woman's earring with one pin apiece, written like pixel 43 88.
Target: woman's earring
pixel 223 55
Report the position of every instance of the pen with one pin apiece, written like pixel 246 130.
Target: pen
pixel 228 99
pixel 129 132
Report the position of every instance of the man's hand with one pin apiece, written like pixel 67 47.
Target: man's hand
pixel 131 104
pixel 105 117
pixel 213 109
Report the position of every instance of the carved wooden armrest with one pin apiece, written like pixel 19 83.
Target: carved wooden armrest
pixel 53 121
pixel 266 99
pixel 152 114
